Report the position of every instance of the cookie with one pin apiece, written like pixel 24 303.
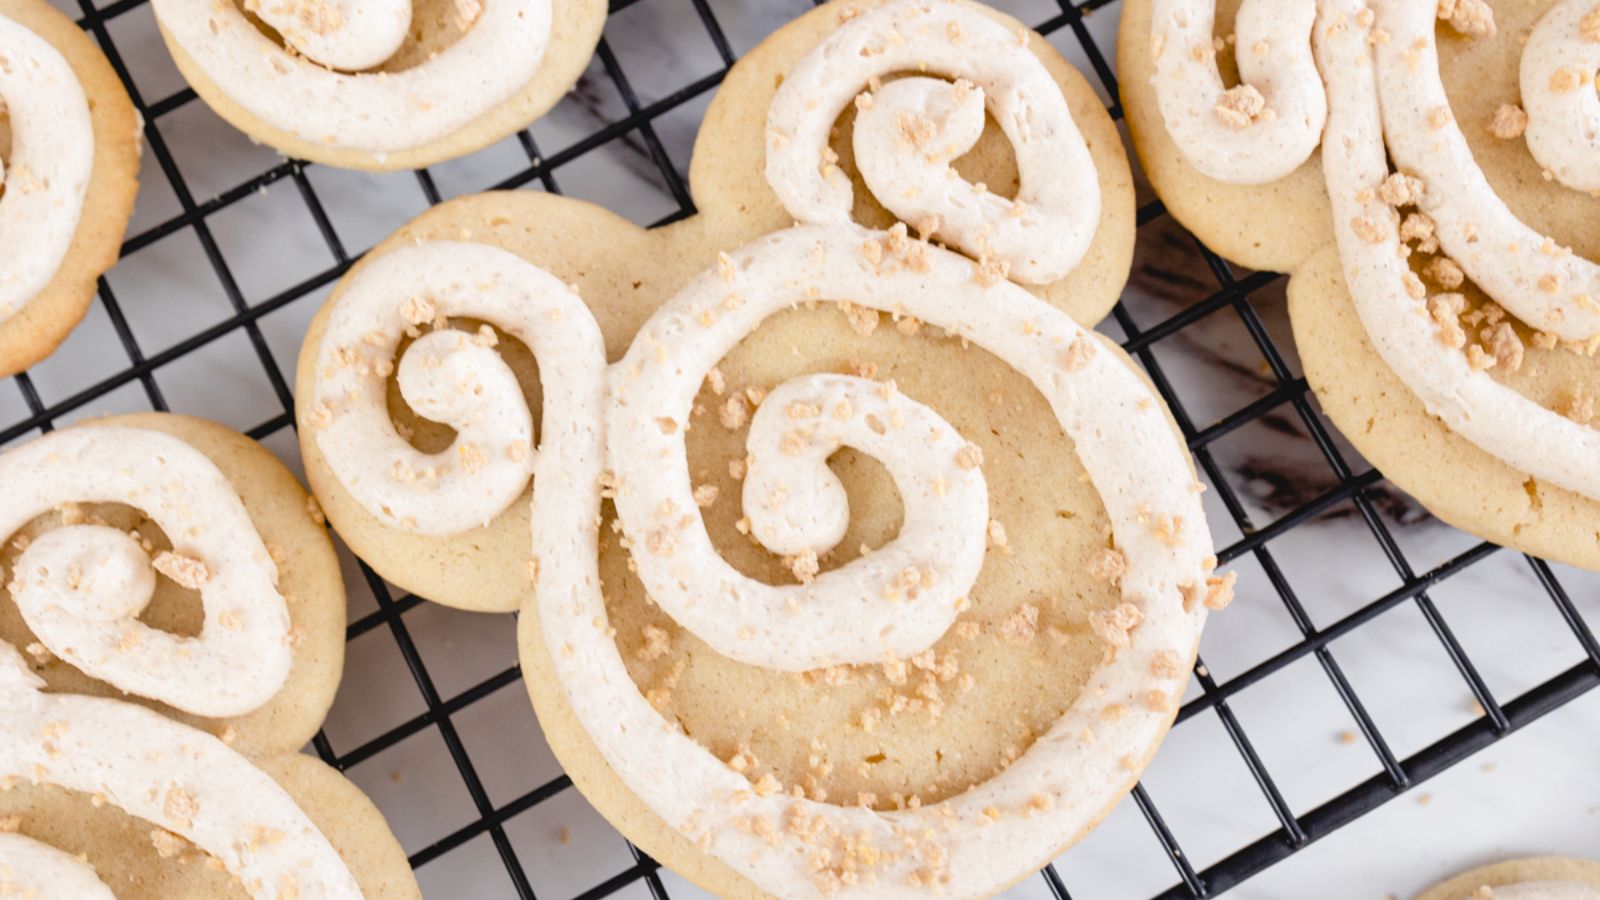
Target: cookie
pixel 182 619
pixel 484 568
pixel 69 144
pixel 1535 878
pixel 856 540
pixel 281 550
pixel 1445 313
pixel 381 84
pixel 106 798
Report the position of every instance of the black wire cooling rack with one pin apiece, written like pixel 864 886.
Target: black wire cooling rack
pixel 1357 485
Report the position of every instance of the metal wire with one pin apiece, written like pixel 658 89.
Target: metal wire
pixel 1287 393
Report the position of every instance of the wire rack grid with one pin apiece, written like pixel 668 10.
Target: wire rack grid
pixel 243 330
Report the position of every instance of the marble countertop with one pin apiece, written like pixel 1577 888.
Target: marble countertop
pixel 1535 792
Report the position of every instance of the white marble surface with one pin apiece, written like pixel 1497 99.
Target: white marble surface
pixel 1536 792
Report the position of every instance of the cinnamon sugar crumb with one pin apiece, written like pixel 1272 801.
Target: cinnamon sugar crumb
pixel 1166 664
pixel 1509 122
pixel 1580 406
pixel 1446 311
pixel 1114 625
pixel 734 413
pixel 1503 344
pixel 1589 26
pixel 805 566
pixel 1368 230
pixel 970 456
pixel 1445 273
pixel 1563 80
pixel 705 495
pixel 656 643
pixel 1219 590
pixel 1242 106
pixel 167 844
pixel 186 571
pixel 1079 352
pixel 1470 18
pixel 1022 626
pixel 1109 564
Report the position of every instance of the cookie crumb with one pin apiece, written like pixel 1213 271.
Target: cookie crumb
pixel 186 571
pixel 167 844
pixel 1509 122
pixel 1115 625
pixel 1242 106
pixel 1022 626
pixel 1470 18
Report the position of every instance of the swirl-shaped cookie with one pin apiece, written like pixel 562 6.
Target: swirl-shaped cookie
pixel 71 145
pixel 1457 267
pixel 192 795
pixel 381 84
pixel 892 604
pixel 941 114
pixel 176 563
pixel 853 538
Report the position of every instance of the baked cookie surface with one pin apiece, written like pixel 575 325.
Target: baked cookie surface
pixel 1535 878
pixel 422 82
pixel 1493 345
pixel 88 174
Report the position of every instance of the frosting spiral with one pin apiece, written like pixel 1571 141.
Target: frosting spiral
pixel 794 847
pixel 1503 422
pixel 81 587
pixel 176 777
pixel 47 173
pixel 1386 99
pixel 1271 123
pixel 908 132
pixel 29 868
pixel 450 376
pixel 320 88
pixel 1559 66
pixel 1547 287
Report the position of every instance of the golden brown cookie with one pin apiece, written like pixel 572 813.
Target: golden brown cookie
pixel 308 577
pixel 1427 448
pixel 1470 885
pixel 39 326
pixel 436 25
pixel 484 568
pixel 171 634
pixel 1000 589
pixel 134 863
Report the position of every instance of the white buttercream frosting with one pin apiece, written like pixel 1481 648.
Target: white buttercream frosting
pixel 1559 65
pixel 1268 133
pixel 971 844
pixel 81 587
pixel 176 777
pixel 317 89
pixel 47 172
pixel 29 868
pixel 1548 287
pixel 908 132
pixel 1380 61
pixel 446 375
